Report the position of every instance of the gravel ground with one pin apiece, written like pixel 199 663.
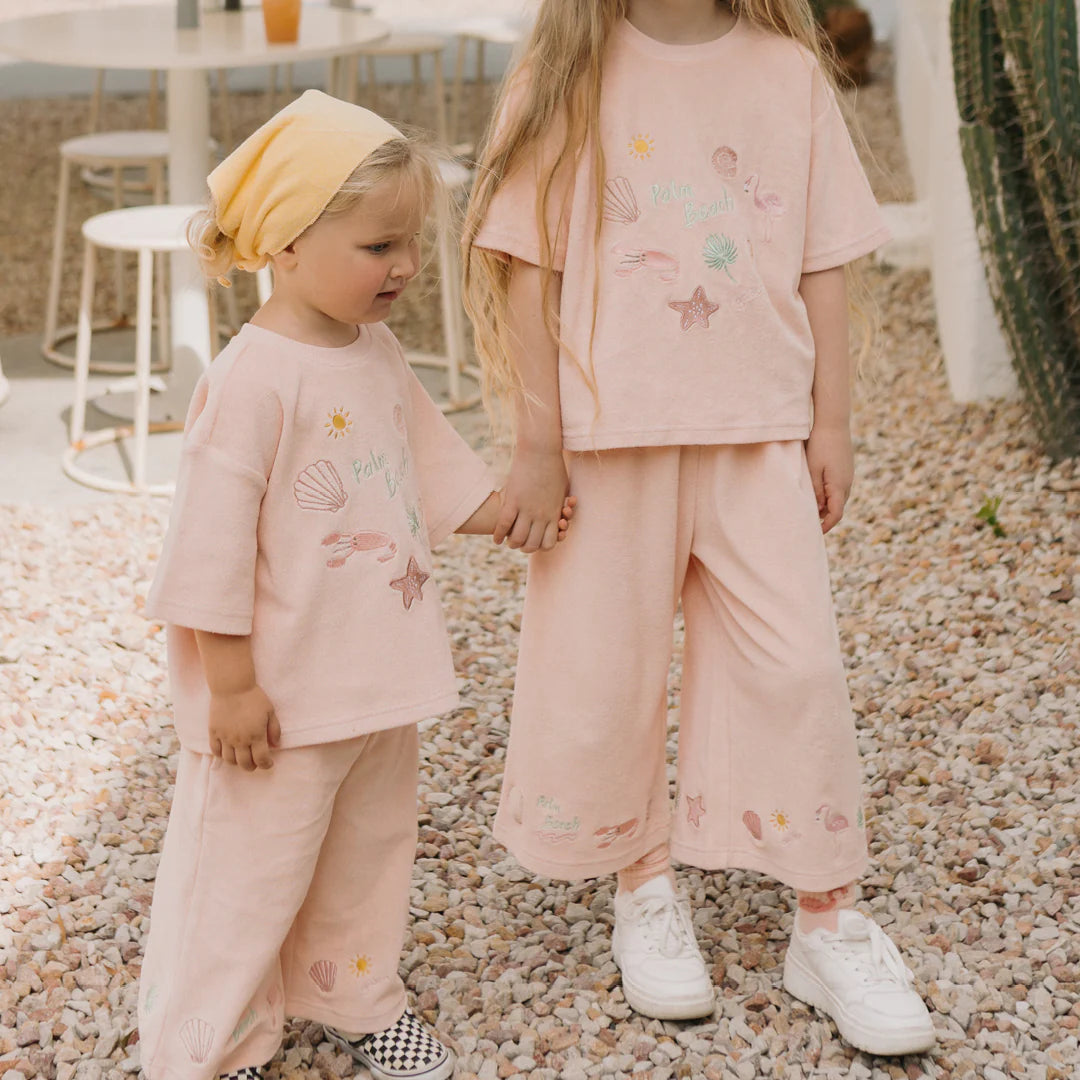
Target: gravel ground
pixel 962 648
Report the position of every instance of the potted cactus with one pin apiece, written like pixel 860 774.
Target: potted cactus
pixel 1017 71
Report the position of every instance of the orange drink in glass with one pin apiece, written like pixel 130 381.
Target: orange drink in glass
pixel 282 20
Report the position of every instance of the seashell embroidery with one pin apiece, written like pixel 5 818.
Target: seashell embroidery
pixel 323 974
pixel 619 201
pixel 198 1037
pixel 726 162
pixel 753 824
pixel 318 487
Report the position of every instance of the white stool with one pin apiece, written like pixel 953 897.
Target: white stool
pixel 456 179
pixel 115 151
pixel 146 231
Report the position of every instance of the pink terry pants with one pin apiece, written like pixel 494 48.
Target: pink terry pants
pixel 279 893
pixel 768 772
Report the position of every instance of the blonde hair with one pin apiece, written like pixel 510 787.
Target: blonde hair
pixel 557 81
pixel 412 160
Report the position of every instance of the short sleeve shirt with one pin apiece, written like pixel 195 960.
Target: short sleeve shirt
pixel 313 483
pixel 729 174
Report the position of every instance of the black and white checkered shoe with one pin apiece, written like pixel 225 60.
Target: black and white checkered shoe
pixel 404 1051
pixel 248 1072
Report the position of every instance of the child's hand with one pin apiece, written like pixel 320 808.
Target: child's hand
pixel 243 728
pixel 533 501
pixel 567 515
pixel 832 470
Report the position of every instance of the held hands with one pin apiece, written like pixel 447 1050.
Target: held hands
pixel 536 508
pixel 832 470
pixel 243 728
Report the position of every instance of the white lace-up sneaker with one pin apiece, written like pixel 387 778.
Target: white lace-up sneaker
pixel 663 973
pixel 859 978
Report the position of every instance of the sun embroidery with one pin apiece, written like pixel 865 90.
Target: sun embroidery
pixel 780 821
pixel 360 965
pixel 338 424
pixel 641 147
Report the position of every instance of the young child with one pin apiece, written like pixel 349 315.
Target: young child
pixel 305 633
pixel 655 269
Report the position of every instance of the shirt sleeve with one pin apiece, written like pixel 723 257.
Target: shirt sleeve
pixel 511 226
pixel 452 478
pixel 843 221
pixel 205 578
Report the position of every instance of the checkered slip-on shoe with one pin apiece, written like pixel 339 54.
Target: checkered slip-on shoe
pixel 248 1072
pixel 404 1051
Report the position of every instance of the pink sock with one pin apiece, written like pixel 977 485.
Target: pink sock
pixel 821 911
pixel 650 865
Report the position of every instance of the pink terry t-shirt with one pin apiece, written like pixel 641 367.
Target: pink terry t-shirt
pixel 312 486
pixel 729 174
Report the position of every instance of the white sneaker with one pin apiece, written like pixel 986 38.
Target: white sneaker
pixel 663 973
pixel 859 978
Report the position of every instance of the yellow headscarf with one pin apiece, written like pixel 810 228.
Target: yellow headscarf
pixel 281 178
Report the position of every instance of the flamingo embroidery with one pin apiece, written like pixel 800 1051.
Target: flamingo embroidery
pixel 347 544
pixel 834 822
pixel 769 203
pixel 633 259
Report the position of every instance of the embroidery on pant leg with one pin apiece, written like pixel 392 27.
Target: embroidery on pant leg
pixel 783 823
pixel 198 1038
pixel 768 203
pixel 319 487
pixel 338 424
pixel 815 903
pixel 632 259
pixel 411 583
pixel 515 804
pixel 641 147
pixel 360 965
pixel 720 252
pixel 695 809
pixel 753 826
pixel 556 828
pixel 323 974
pixel 833 821
pixel 860 821
pixel 620 203
pixel 399 422
pixel 726 162
pixel 345 545
pixel 697 310
pixel 150 1001
pixel 247 1021
pixel 608 834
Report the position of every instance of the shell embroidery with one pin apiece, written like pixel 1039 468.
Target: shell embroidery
pixel 198 1039
pixel 726 162
pixel 323 974
pixel 620 203
pixel 319 487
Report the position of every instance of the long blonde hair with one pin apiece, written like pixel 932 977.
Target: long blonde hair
pixel 557 81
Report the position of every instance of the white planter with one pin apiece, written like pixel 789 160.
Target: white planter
pixel 976 357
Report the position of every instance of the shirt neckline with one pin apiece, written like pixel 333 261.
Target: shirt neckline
pixel 702 50
pixel 323 354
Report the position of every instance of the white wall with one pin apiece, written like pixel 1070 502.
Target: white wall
pixel 976 357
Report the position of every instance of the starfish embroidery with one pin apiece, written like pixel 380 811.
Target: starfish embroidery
pixel 411 583
pixel 695 310
pixel 695 809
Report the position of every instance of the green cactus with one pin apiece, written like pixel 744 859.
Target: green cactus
pixel 1017 72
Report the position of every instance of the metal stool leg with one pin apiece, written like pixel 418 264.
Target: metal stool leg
pixel 82 346
pixel 52 303
pixel 143 318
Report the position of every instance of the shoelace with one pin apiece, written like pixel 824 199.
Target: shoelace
pixel 884 964
pixel 668 924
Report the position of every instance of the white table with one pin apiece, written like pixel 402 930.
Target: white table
pixel 141 38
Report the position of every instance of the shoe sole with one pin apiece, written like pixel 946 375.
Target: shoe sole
pixel 802 983
pixel 440 1072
